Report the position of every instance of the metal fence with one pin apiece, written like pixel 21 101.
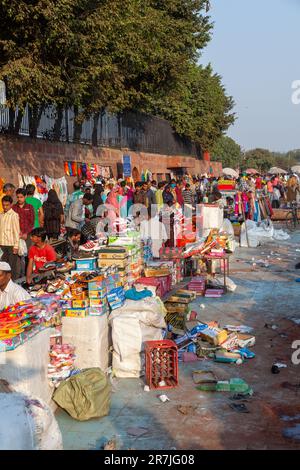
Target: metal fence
pixel 132 130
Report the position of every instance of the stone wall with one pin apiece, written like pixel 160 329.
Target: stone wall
pixel 36 157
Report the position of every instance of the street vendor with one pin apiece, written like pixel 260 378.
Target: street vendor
pixel 39 254
pixel 73 242
pixel 10 292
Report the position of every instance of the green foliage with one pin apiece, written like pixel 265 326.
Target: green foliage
pixel 259 159
pixel 227 151
pixel 129 54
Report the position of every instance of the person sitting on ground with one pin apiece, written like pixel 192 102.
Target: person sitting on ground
pixel 72 244
pixel 39 254
pixel 10 292
pixel 35 202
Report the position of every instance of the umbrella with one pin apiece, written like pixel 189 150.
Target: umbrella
pixel 252 171
pixel 230 172
pixel 296 169
pixel 277 171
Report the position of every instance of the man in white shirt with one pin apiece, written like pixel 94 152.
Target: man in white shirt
pixel 155 230
pixel 10 292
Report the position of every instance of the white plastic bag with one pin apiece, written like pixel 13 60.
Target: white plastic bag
pixel 22 248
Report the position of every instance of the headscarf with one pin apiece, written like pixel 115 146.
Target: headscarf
pixel 97 200
pixel 52 206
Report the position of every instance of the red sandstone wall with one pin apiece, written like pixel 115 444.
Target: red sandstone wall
pixel 35 157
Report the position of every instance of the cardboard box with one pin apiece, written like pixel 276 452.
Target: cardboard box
pixel 121 263
pixel 97 294
pixel 80 303
pixel 98 302
pixel 98 311
pixel 76 312
pixel 214 336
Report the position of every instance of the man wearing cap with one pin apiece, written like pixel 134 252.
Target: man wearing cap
pixel 10 292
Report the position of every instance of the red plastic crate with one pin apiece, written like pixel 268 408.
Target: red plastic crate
pixel 161 359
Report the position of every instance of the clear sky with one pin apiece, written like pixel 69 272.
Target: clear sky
pixel 256 49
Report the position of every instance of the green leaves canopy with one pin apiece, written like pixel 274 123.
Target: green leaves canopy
pixel 227 151
pixel 129 54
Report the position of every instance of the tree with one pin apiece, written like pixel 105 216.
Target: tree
pixel 97 53
pixel 115 55
pixel 199 107
pixel 227 151
pixel 260 159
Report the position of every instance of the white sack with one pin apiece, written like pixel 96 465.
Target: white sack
pixel 90 337
pixel 132 325
pixel 27 424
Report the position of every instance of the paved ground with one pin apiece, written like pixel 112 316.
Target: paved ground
pixel 265 296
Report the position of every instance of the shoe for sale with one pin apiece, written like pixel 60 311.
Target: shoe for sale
pixel 89 246
pixel 66 267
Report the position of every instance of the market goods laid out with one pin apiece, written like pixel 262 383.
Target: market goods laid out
pixel 100 311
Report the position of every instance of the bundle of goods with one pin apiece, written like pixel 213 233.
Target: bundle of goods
pixel 61 363
pixel 154 284
pixel 175 269
pixel 226 185
pixel 132 325
pixel 178 309
pixel 116 298
pixel 214 293
pixel 197 285
pixel 88 294
pixel 215 243
pixel 131 270
pixel 147 250
pixel 116 257
pixel 22 321
pixel 170 253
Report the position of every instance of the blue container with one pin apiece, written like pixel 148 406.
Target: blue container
pixel 89 264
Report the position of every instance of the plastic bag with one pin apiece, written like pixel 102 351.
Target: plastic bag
pixel 22 248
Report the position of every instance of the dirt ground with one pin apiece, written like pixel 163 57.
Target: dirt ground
pixel 267 299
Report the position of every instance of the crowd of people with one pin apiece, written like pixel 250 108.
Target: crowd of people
pixel 27 226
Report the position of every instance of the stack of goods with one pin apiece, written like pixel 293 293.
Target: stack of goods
pixel 61 363
pixel 226 185
pixel 97 290
pixel 87 294
pixel 133 244
pixel 154 284
pixel 214 293
pixel 22 321
pixel 116 298
pixel 197 285
pixel 178 309
pixel 147 250
pixel 174 256
pixel 115 257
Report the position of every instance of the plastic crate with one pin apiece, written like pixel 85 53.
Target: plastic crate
pixel 161 359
